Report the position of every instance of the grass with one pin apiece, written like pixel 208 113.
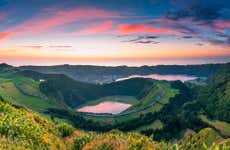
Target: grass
pixel 168 93
pixel 156 125
pixel 202 140
pixel 17 95
pixel 155 91
pixel 20 90
pixel 221 126
pixel 21 128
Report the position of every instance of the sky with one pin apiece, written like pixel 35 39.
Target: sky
pixel 114 32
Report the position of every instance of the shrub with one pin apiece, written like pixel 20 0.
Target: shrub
pixel 65 129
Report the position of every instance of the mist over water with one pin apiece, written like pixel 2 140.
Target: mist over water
pixel 114 61
pixel 182 78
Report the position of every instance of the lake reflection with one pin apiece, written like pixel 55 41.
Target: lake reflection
pixel 182 78
pixel 110 107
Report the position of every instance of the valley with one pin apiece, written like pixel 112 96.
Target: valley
pixel 144 105
pixel 114 74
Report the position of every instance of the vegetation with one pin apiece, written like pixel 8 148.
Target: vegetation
pixel 102 74
pixel 22 129
pixel 203 140
pixel 222 127
pixel 76 93
pixel 27 129
pixel 20 90
pixel 215 98
pixel 164 115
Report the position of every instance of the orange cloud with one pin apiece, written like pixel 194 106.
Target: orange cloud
pixel 54 18
pixel 5 35
pixel 105 26
pixel 134 29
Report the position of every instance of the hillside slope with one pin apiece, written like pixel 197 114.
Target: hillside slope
pixel 98 74
pixel 215 98
pixel 21 128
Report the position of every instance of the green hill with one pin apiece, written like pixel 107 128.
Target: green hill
pixel 21 90
pixel 75 93
pixel 20 128
pixel 213 99
pixel 161 110
pixel 103 74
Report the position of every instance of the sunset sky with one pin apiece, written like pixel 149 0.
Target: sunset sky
pixel 114 32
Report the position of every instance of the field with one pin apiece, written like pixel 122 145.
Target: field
pixel 23 91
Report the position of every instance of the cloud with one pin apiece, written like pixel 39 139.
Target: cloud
pixel 60 46
pixel 147 42
pixel 199 44
pixel 221 25
pixel 52 18
pixel 187 37
pixel 138 38
pixel 53 46
pixel 206 22
pixel 223 42
pixel 143 40
pixel 98 28
pixel 197 12
pixel 142 29
pixel 123 35
pixel 182 26
pixel 5 35
pixel 149 37
pixel 201 16
pixel 33 46
pixel 3 15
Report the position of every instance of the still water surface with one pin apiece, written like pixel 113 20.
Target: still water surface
pixel 182 78
pixel 110 107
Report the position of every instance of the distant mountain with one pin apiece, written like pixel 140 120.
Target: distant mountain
pixel 4 67
pixel 75 93
pixel 103 74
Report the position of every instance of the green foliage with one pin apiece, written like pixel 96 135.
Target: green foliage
pixel 205 138
pixel 22 129
pixel 65 129
pixel 222 127
pixel 22 126
pixel 114 140
pixel 95 74
pixel 23 91
pixel 76 93
pixel 215 98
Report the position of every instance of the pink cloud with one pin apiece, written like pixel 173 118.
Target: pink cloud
pixel 135 29
pixel 5 35
pixel 2 15
pixel 221 25
pixel 53 18
pixel 105 26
